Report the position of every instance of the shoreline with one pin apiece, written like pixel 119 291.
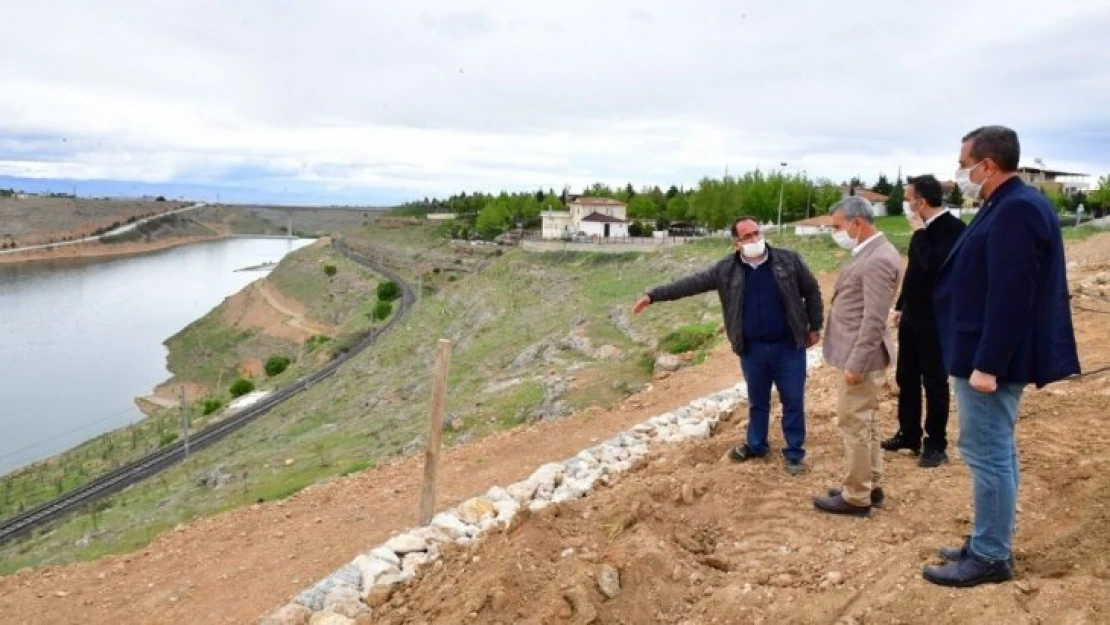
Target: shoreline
pixel 104 250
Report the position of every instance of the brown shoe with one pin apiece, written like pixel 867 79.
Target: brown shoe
pixel 877 497
pixel 837 505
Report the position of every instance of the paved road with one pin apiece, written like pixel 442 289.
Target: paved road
pixel 122 229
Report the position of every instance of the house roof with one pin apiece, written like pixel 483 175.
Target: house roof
pixel 605 219
pixel 870 196
pixel 821 220
pixel 597 201
pixel 1048 172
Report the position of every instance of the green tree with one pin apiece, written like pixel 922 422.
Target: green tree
pixel 672 192
pixel 883 186
pixel 641 207
pixel 388 291
pixel 599 189
pixel 330 270
pixel 551 202
pixel 493 219
pixel 1100 197
pixel 276 365
pixel 241 387
pixel 955 196
pixel 381 311
pixel 894 199
pixel 678 208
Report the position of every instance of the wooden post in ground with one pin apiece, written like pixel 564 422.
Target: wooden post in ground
pixel 435 432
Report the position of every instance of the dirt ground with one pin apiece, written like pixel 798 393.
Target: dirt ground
pixel 746 547
pixel 36 220
pixel 263 307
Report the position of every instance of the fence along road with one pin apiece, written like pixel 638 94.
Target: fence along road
pixel 135 471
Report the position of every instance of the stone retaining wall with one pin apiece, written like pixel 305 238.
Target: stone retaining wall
pixel 355 589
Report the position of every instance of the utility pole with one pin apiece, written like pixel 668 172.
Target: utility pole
pixel 185 420
pixel 782 189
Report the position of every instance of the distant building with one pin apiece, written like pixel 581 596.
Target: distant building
pixel 813 226
pixel 442 216
pixel 1053 181
pixel 877 200
pixel 591 216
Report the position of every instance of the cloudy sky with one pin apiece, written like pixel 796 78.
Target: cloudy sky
pixel 374 102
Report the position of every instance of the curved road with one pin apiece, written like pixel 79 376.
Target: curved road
pixel 97 237
pixel 140 469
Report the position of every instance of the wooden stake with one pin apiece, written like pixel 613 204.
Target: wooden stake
pixel 435 432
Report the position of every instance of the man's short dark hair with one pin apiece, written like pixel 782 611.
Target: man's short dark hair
pixel 998 143
pixel 742 218
pixel 928 188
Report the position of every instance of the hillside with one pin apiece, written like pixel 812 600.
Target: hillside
pixel 39 220
pixel 772 559
pixel 536 337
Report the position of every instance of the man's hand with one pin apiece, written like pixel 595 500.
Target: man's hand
pixel 812 338
pixel 983 382
pixel 853 378
pixel 641 304
pixel 895 318
pixel 916 223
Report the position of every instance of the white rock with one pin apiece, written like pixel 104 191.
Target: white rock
pixel 487 524
pixel 345 601
pixel 496 493
pixel 465 541
pixel 472 511
pixel 450 525
pixel 406 543
pixel 506 510
pixel 548 475
pixel 414 561
pixel 329 618
pixel 644 428
pixel 538 505
pixel 609 581
pixel 588 458
pixel 432 535
pixel 394 578
pixel 372 569
pixel 522 492
pixel 289 614
pixel 695 431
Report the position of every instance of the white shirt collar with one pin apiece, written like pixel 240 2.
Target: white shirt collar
pixel 863 244
pixel 933 218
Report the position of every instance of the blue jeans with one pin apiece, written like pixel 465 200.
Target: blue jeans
pixel 989 447
pixel 783 364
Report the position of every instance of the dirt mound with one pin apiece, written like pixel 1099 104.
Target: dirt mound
pixel 261 306
pixel 696 539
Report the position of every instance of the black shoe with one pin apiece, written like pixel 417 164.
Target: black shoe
pixel 932 458
pixel 954 554
pixel 898 441
pixel 795 467
pixel 877 497
pixel 743 453
pixel 837 505
pixel 970 570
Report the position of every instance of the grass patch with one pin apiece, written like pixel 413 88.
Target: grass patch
pixel 689 338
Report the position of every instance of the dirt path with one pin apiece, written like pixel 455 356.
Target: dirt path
pixel 261 306
pixel 293 310
pixel 749 549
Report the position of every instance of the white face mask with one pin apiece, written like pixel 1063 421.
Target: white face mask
pixel 967 187
pixel 754 250
pixel 844 240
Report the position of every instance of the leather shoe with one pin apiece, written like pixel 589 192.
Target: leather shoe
pixel 837 505
pixel 953 554
pixel 898 441
pixel 970 570
pixel 877 497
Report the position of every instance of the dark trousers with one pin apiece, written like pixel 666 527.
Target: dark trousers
pixel 920 364
pixel 782 364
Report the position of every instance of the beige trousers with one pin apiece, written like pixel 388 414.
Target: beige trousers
pixel 856 412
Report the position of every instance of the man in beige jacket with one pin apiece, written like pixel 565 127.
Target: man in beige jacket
pixel 857 342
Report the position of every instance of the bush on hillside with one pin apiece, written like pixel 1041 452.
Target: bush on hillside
pixel 381 311
pixel 388 291
pixel 241 387
pixel 275 365
pixel 689 338
pixel 330 270
pixel 211 405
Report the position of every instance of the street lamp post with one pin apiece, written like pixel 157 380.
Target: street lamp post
pixel 809 190
pixel 782 188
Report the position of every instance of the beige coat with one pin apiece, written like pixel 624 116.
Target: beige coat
pixel 856 337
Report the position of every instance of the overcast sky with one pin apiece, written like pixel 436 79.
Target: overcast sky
pixel 369 100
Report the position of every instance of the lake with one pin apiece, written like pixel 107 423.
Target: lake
pixel 80 340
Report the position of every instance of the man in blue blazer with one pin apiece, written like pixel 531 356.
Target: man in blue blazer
pixel 1004 318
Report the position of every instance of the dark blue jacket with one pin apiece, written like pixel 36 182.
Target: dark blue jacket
pixel 1001 298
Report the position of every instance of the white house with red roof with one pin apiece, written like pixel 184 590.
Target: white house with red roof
pixel 600 217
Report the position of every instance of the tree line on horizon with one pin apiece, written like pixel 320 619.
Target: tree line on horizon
pixel 714 203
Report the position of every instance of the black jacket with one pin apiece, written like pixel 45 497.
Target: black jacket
pixel 929 247
pixel 800 293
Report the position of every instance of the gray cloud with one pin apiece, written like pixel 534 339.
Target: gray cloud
pixel 374 95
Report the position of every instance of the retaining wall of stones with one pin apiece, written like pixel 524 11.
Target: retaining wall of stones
pixel 354 590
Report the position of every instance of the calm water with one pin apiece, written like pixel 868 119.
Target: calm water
pixel 80 340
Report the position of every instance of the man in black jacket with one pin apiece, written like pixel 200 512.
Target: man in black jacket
pixel 772 311
pixel 919 357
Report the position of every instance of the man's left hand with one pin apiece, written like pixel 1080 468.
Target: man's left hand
pixel 983 382
pixel 853 378
pixel 812 338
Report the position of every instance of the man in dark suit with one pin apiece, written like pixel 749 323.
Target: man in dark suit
pixel 936 231
pixel 1004 318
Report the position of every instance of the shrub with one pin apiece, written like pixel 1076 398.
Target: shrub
pixel 316 340
pixel 388 291
pixel 381 311
pixel 330 270
pixel 689 338
pixel 275 365
pixel 211 405
pixel 167 438
pixel 241 387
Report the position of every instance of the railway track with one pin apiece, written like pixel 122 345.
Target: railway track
pixel 138 470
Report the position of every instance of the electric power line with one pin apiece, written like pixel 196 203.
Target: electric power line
pixel 65 434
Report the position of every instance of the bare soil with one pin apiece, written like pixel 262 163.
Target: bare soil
pixel 744 547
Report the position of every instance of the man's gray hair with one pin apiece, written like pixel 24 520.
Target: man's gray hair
pixel 854 206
